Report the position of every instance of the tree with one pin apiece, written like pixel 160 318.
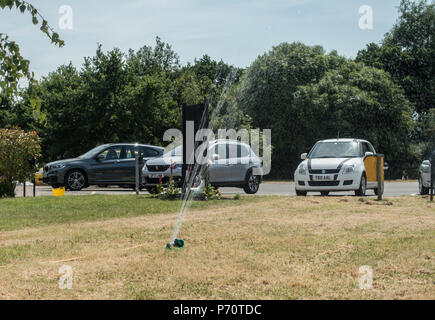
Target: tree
pixel 12 64
pixel 266 94
pixel 18 153
pixel 408 53
pixel 149 60
pixel 360 102
pixel 108 100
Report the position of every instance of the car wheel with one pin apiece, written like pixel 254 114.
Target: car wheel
pixel 421 188
pixel 362 187
pixel 300 193
pixel 324 193
pixel 75 180
pixel 252 183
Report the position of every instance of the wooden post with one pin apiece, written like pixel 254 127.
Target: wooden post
pixel 379 175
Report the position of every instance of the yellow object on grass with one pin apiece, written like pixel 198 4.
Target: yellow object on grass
pixel 371 164
pixel 38 178
pixel 58 192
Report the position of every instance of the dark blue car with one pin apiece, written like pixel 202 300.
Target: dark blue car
pixel 104 165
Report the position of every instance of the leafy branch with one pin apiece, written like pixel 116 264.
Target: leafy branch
pixel 12 64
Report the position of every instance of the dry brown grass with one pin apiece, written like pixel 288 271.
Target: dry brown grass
pixel 277 248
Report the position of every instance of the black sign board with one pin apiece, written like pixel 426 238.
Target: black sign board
pixel 195 116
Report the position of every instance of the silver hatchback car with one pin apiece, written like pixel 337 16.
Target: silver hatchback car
pixel 232 165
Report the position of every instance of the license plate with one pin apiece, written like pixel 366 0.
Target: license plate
pixel 323 178
pixel 154 175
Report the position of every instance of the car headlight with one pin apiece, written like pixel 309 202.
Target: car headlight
pixel 349 169
pixel 57 166
pixel 302 170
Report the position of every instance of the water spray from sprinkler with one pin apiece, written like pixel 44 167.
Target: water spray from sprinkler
pixel 197 170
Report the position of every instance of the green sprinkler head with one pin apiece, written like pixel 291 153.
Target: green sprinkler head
pixel 178 243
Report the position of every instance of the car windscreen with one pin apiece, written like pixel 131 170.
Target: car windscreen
pixel 335 150
pixel 93 153
pixel 178 151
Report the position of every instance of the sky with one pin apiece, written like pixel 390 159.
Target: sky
pixel 236 31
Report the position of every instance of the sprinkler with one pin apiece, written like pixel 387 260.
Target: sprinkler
pixel 178 243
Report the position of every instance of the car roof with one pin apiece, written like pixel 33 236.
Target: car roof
pixel 229 141
pixel 133 144
pixel 343 140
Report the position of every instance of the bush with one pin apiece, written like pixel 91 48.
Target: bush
pixel 7 189
pixel 210 193
pixel 19 151
pixel 171 192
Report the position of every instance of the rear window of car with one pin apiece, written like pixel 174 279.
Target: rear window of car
pixel 150 152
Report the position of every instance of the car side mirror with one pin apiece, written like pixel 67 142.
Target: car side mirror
pixel 215 157
pixel 386 166
pixel 304 156
pixel 100 157
pixel 368 154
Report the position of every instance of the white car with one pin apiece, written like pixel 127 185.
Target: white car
pixel 335 165
pixel 424 177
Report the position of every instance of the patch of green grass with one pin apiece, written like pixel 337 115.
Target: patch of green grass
pixel 22 213
pixel 11 253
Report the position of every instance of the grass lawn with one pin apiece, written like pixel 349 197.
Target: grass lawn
pixel 22 213
pixel 266 247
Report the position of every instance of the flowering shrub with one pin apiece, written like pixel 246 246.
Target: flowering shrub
pixel 210 193
pixel 19 151
pixel 171 192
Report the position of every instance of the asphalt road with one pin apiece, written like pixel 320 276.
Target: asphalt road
pixel 392 189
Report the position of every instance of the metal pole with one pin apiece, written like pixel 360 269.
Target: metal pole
pixel 432 173
pixel 24 189
pixel 431 180
pixel 34 187
pixel 431 187
pixel 137 173
pixel 379 176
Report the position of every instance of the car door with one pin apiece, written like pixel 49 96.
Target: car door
pixel 239 165
pixel 220 169
pixel 127 164
pixel 107 169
